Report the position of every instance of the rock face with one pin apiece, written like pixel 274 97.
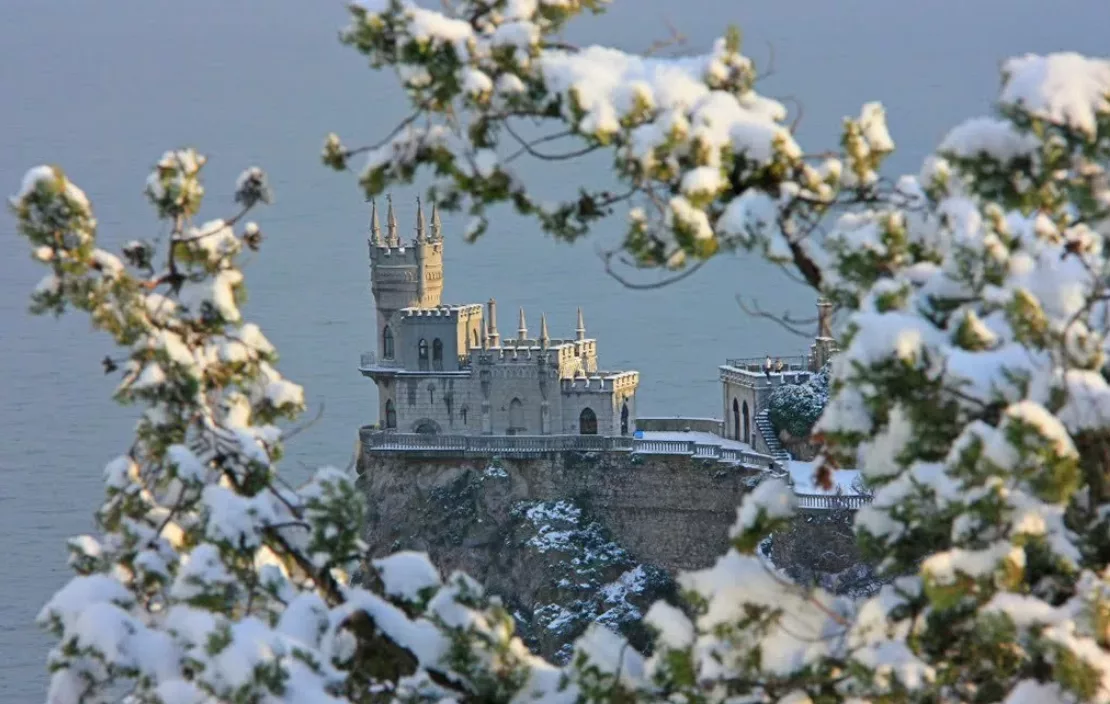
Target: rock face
pixel 564 539
pixel 572 538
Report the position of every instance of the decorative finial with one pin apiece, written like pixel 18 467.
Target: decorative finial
pixel 581 329
pixel 522 328
pixel 419 221
pixel 391 223
pixel 544 339
pixel 375 230
pixel 437 228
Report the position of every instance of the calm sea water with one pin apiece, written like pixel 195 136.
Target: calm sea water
pixel 104 88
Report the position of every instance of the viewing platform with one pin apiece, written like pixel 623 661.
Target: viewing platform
pixel 701 446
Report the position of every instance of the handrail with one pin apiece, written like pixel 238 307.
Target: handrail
pixel 832 501
pixel 390 441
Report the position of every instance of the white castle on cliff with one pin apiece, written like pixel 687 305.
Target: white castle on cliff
pixel 445 369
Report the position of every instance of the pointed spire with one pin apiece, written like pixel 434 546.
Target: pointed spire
pixel 544 339
pixel 391 224
pixel 522 328
pixel 580 331
pixel 437 228
pixel 420 239
pixel 375 229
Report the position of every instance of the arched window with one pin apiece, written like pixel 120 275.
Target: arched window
pixel 390 415
pixel 473 338
pixel 462 412
pixel 747 425
pixel 387 343
pixel 437 355
pixel 516 417
pixel 736 420
pixel 422 354
pixel 587 422
pixel 624 418
pixel 426 427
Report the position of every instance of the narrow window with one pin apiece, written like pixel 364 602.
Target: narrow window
pixel 587 422
pixel 437 355
pixel 390 415
pixel 422 354
pixel 387 343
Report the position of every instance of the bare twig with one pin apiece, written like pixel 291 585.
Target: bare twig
pixel 784 319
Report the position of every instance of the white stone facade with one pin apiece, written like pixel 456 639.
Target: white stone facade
pixel 445 369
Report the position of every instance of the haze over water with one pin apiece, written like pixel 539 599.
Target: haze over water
pixel 103 88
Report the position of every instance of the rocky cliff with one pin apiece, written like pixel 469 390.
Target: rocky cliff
pixel 567 538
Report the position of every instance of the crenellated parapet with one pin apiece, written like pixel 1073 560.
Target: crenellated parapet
pixel 601 383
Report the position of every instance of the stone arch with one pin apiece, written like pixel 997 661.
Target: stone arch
pixel 747 424
pixel 422 354
pixel 624 418
pixel 390 415
pixel 425 426
pixel 736 435
pixel 516 417
pixel 587 422
pixel 437 354
pixel 387 343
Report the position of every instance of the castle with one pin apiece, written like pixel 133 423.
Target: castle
pixel 445 369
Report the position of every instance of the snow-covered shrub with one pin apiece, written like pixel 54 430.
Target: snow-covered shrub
pixel 795 408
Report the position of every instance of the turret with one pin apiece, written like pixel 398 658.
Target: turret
pixel 402 276
pixel 494 336
pixel 420 239
pixel 391 222
pixel 824 345
pixel 580 331
pixel 437 228
pixel 544 339
pixel 375 230
pixel 522 327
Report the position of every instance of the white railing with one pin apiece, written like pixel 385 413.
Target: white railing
pixel 386 441
pixel 830 502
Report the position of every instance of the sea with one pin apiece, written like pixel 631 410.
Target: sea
pixel 103 88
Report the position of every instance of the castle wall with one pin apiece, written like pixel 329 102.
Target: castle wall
pixel 665 510
pixel 439 400
pixel 576 400
pixel 429 328
pixel 517 382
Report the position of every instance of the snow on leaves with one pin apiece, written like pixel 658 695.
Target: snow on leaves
pixel 970 391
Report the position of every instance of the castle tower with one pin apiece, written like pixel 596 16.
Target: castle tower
pixel 402 276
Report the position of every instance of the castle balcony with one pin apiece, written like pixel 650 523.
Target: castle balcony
pixel 372 366
pixel 752 372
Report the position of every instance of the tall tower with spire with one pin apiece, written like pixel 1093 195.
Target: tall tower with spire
pixel 403 275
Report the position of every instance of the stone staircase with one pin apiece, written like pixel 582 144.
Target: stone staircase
pixel 771 438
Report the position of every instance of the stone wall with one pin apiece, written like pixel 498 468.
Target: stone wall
pixel 677 424
pixel 670 511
